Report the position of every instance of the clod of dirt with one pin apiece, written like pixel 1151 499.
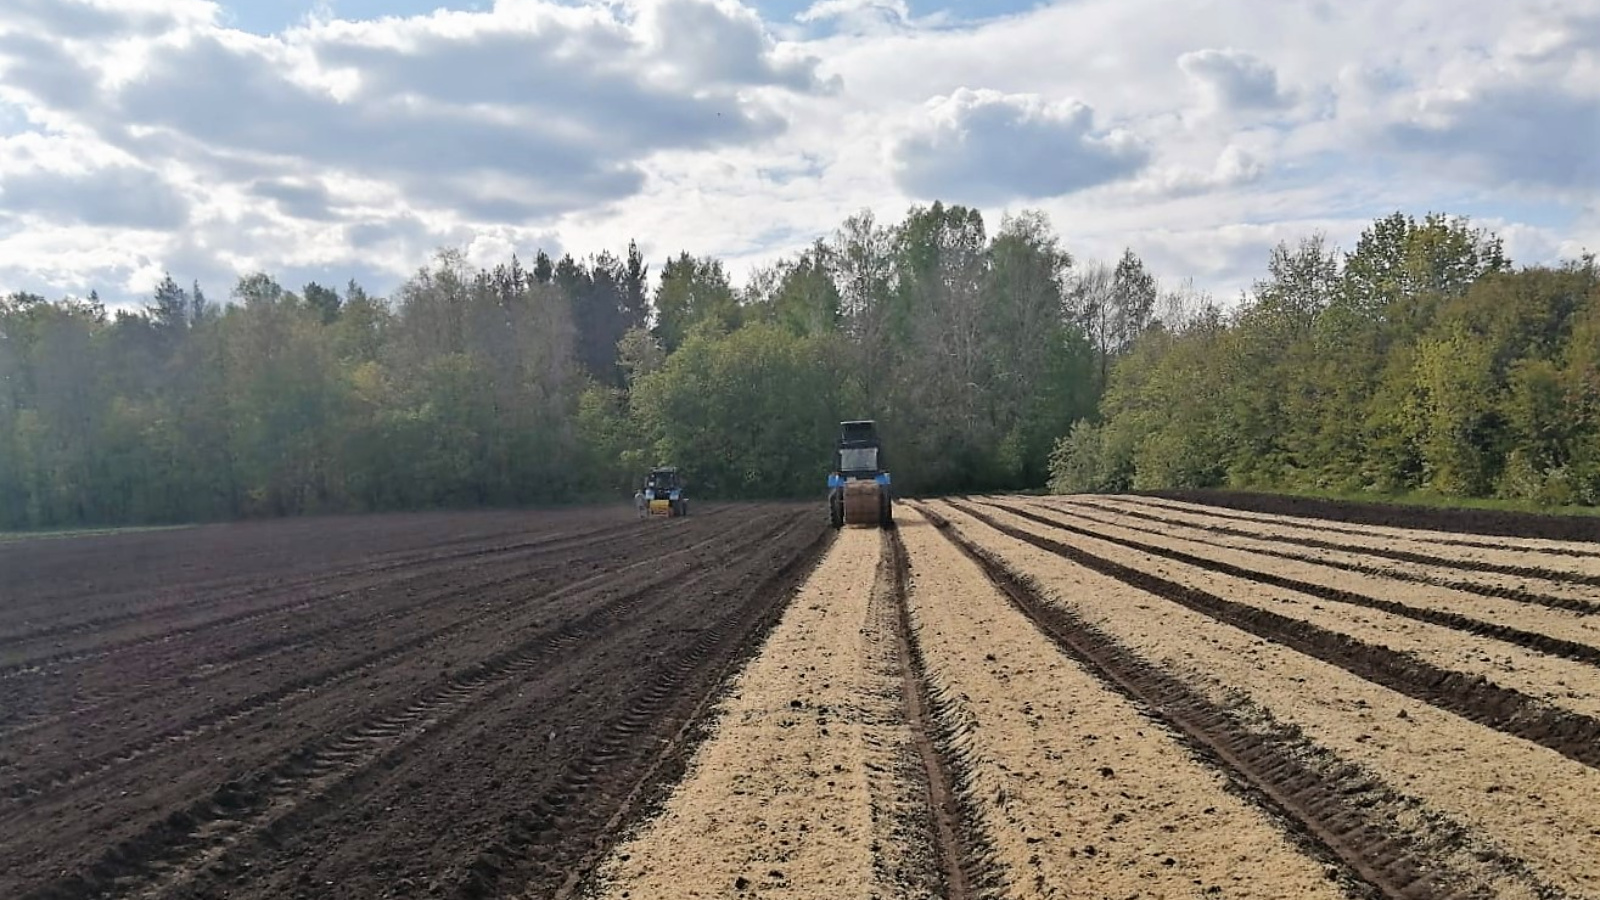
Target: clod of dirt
pixel 1107 772
pixel 741 883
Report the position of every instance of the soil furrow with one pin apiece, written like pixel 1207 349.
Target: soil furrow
pixel 1083 790
pixel 566 767
pixel 225 593
pixel 959 844
pixel 1271 759
pixel 1382 545
pixel 1550 679
pixel 1519 594
pixel 1434 524
pixel 1532 640
pixel 280 800
pixel 1524 814
pixel 85 768
pixel 798 787
pixel 181 666
pixel 332 587
pixel 1472 697
pixel 644 752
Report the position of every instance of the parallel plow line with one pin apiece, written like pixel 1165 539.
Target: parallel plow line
pixel 304 781
pixel 1532 640
pixel 963 851
pixel 554 544
pixel 20 722
pixel 33 789
pixel 1304 524
pixel 1472 697
pixel 1332 804
pixel 1521 595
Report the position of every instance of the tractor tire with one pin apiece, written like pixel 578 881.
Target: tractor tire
pixel 835 511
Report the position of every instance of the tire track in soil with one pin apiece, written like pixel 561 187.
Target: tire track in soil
pixel 552 823
pixel 1521 595
pixel 235 588
pixel 144 569
pixel 427 566
pixel 1427 559
pixel 127 692
pixel 1472 697
pixel 1416 532
pixel 1270 763
pixel 218 720
pixel 960 846
pixel 263 806
pixel 1531 640
pixel 692 688
pixel 809 782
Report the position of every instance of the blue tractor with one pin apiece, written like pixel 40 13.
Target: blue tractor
pixel 663 492
pixel 858 487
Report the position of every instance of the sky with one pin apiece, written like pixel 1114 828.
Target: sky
pixel 339 139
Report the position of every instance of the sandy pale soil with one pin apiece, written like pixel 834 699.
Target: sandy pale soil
pixel 1079 794
pixel 1501 551
pixel 1489 584
pixel 795 794
pixel 1449 537
pixel 1561 682
pixel 1519 801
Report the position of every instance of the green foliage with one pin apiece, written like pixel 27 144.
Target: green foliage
pixel 693 292
pixel 751 414
pixel 1418 362
pixel 1086 460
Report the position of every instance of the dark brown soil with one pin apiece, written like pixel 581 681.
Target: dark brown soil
pixel 388 706
pixel 1395 515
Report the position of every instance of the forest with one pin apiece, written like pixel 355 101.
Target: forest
pixel 1419 360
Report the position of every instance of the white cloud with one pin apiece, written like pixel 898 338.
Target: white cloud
pixel 1233 81
pixel 154 136
pixel 985 147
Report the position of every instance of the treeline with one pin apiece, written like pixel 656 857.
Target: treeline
pixel 1418 361
pixel 565 380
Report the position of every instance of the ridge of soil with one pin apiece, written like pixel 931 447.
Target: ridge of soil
pixel 1545 526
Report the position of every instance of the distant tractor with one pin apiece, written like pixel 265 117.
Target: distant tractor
pixel 858 488
pixel 664 494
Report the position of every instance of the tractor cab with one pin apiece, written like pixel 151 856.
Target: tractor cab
pixel 858 453
pixel 663 492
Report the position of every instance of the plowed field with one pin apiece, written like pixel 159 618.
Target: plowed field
pixel 1001 697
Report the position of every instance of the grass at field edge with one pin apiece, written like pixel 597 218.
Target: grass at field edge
pixel 13 536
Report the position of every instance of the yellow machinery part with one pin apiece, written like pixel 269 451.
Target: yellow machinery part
pixel 861 503
pixel 660 507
